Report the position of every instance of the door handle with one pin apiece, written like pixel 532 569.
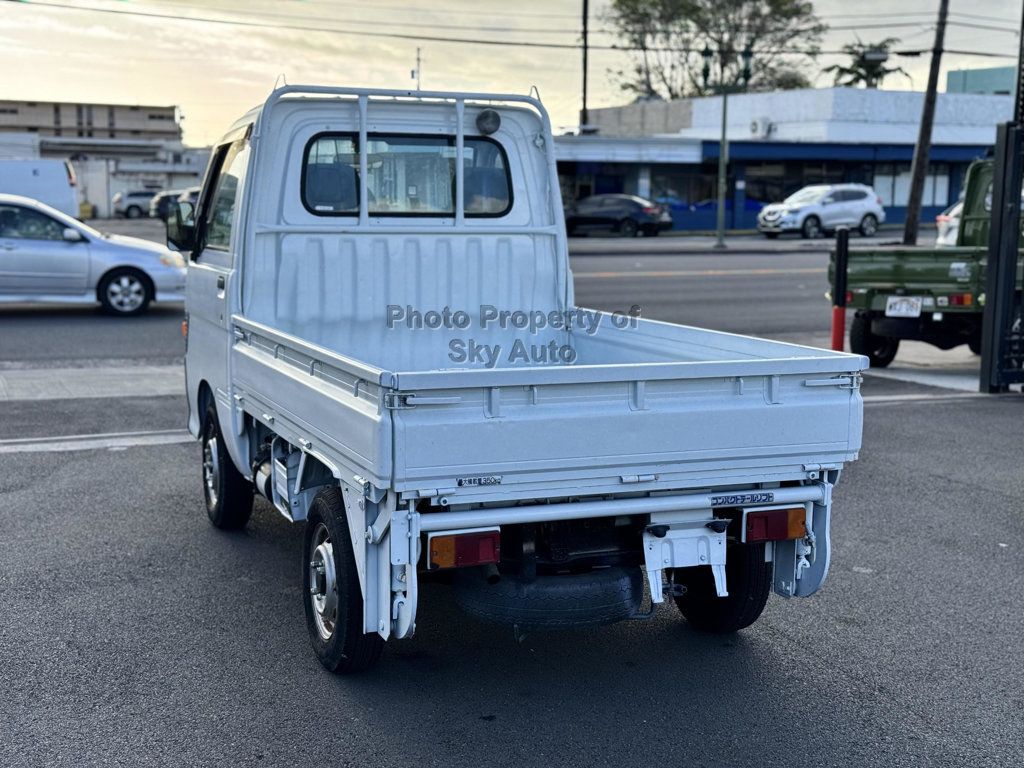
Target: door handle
pixel 220 282
pixel 9 246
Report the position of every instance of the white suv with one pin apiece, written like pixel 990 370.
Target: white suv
pixel 822 208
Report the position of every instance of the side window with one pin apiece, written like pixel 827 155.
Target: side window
pixel 219 213
pixel 25 224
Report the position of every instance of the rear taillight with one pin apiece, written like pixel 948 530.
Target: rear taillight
pixel 460 550
pixel 849 297
pixel 961 300
pixel 69 169
pixel 776 524
pixel 652 210
pixel 878 200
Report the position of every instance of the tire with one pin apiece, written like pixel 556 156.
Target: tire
pixel 228 494
pixel 335 623
pixel 132 212
pixel 628 228
pixel 564 601
pixel 880 350
pixel 974 344
pixel 124 292
pixel 811 228
pixel 749 581
pixel 868 225
pixel 772 235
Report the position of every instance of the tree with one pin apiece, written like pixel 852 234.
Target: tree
pixel 867 64
pixel 665 39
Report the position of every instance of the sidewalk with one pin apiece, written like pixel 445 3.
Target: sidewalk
pixel 675 242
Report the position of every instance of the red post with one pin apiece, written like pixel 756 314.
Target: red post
pixel 839 288
pixel 838 328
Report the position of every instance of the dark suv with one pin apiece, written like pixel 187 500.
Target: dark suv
pixel 628 215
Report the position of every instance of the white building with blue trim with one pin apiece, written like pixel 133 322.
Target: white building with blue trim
pixel 778 142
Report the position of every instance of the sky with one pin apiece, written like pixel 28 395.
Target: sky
pixel 216 71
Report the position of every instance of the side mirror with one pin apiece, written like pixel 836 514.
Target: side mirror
pixel 72 235
pixel 828 201
pixel 181 228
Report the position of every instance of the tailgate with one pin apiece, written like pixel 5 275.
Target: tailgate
pixel 875 274
pixel 480 443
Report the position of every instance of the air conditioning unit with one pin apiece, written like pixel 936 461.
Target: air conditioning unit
pixel 761 127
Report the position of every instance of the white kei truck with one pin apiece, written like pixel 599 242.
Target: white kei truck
pixel 383 342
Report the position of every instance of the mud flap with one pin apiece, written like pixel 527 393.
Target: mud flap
pixel 802 565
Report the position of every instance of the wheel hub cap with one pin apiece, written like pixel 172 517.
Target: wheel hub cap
pixel 211 470
pixel 126 293
pixel 323 587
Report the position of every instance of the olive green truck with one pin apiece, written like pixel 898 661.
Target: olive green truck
pixel 935 295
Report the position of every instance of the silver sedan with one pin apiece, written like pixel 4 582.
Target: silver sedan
pixel 46 255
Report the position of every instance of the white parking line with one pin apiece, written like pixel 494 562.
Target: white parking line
pixel 70 383
pixel 922 398
pixel 110 440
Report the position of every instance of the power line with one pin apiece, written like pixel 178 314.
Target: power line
pixel 441 38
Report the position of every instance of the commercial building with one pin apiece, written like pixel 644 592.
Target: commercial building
pixel 777 143
pixel 113 147
pixel 990 80
pixel 107 121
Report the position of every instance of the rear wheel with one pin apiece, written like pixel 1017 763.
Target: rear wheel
pixel 228 493
pixel 628 228
pixel 811 228
pixel 749 581
pixel 334 600
pixel 974 344
pixel 868 225
pixel 880 350
pixel 133 212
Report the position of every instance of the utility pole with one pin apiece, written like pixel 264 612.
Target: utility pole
pixel 584 117
pixel 919 168
pixel 416 72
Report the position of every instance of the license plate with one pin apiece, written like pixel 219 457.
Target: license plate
pixel 903 306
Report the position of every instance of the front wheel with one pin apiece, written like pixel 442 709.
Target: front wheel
pixel 749 581
pixel 228 494
pixel 880 350
pixel 124 292
pixel 811 228
pixel 334 600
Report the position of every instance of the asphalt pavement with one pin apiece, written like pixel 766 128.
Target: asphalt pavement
pixel 133 633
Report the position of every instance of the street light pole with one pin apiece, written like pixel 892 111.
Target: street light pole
pixel 723 166
pixel 746 56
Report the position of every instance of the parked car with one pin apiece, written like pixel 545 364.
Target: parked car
pixel 46 255
pixel 821 208
pixel 161 203
pixel 948 225
pixel 549 473
pixel 132 205
pixel 190 196
pixel 51 182
pixel 628 215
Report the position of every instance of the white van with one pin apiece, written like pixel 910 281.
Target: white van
pixel 51 182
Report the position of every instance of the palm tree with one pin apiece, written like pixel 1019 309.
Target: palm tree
pixel 867 67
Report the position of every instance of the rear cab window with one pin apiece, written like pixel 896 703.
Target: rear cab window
pixel 407 175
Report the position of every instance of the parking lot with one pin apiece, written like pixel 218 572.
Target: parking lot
pixel 135 633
